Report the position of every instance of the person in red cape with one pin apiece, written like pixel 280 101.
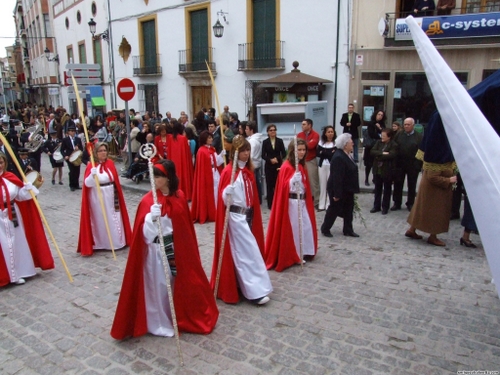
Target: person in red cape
pixel 206 180
pixel 93 232
pixel 22 250
pixel 242 264
pixel 143 305
pixel 180 153
pixel 283 239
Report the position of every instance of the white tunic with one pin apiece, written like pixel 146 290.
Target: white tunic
pixel 158 314
pixel 250 268
pixel 15 247
pixel 216 175
pixel 115 221
pixel 293 213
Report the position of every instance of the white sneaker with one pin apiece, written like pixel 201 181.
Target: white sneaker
pixel 263 300
pixel 20 282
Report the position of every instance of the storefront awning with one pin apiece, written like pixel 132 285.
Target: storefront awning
pixel 98 101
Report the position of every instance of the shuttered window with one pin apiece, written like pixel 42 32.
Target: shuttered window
pixel 264 33
pixel 149 60
pixel 199 39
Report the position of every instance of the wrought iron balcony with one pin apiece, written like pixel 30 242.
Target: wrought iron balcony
pixel 193 60
pixel 261 55
pixel 146 65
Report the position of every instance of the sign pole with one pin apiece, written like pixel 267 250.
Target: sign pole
pixel 127 125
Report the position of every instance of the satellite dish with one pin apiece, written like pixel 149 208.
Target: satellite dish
pixel 383 27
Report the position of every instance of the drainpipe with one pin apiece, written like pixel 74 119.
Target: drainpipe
pixel 336 66
pixel 110 53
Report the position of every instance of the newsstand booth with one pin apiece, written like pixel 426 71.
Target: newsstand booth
pixel 293 97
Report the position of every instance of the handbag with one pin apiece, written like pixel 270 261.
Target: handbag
pixel 367 140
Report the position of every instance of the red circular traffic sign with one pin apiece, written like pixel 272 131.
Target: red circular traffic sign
pixel 126 89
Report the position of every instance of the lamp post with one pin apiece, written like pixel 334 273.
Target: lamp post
pixel 106 35
pixel 219 27
pixel 47 55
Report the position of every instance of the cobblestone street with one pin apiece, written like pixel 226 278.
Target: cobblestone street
pixel 378 304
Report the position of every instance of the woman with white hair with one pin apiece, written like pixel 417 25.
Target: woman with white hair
pixel 342 184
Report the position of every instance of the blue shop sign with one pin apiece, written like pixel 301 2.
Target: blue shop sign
pixel 461 26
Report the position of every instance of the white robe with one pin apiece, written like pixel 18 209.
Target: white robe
pixel 115 220
pixel 250 268
pixel 158 314
pixel 293 214
pixel 216 175
pixel 15 247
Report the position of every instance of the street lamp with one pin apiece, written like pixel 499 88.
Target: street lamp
pixel 218 27
pixel 92 25
pixel 47 55
pixel 106 35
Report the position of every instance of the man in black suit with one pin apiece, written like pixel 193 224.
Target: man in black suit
pixel 68 145
pixel 342 184
pixel 351 121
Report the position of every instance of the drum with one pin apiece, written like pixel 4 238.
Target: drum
pixel 76 158
pixel 58 157
pixel 35 178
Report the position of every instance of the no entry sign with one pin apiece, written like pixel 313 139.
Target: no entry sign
pixel 126 89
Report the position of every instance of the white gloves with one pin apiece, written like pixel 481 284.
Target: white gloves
pixel 229 190
pixel 297 178
pixel 222 153
pixel 28 186
pixel 155 211
pixel 93 171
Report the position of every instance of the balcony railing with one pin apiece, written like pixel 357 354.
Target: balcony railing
pixel 261 55
pixel 146 65
pixel 193 60
pixel 26 56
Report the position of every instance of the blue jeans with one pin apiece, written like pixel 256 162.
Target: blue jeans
pixel 355 150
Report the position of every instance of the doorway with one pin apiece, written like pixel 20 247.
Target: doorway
pixel 201 97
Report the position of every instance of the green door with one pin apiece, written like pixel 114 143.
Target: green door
pixel 149 59
pixel 264 33
pixel 199 39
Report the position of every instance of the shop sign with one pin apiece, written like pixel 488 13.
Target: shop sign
pixel 460 26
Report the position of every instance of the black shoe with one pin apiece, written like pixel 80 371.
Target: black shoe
pixel 373 210
pixel 455 216
pixel 72 189
pixel 60 183
pixel 395 207
pixel 409 206
pixel 384 212
pixel 53 182
pixel 467 243
pixel 78 188
pixel 351 234
pixel 327 234
pixel 367 183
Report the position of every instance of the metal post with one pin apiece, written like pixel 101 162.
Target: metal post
pixel 127 125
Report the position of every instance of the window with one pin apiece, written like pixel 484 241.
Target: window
pixel 264 33
pixel 199 39
pixel 66 22
pixel 97 49
pixel 78 17
pixel 82 54
pixel 480 6
pixel 93 8
pixel 148 63
pixel 375 76
pixel 48 29
pixel 69 51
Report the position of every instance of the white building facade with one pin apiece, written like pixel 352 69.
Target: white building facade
pixel 162 46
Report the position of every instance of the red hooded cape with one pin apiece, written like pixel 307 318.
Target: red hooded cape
pixel 280 247
pixel 194 301
pixel 228 284
pixel 180 153
pixel 85 238
pixel 203 204
pixel 35 236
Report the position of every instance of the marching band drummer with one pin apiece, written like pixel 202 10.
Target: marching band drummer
pixel 27 163
pixel 93 232
pixel 53 144
pixel 22 250
pixel 70 144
